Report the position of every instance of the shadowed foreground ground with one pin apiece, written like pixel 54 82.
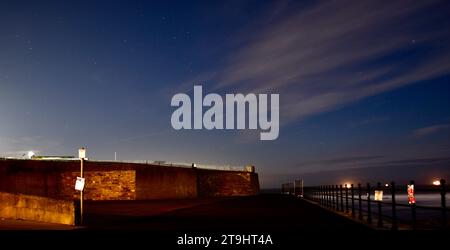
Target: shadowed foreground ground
pixel 289 221
pixel 262 213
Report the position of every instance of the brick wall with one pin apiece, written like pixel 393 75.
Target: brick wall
pixel 31 177
pixel 121 181
pixel 226 183
pixel 101 185
pixel 159 182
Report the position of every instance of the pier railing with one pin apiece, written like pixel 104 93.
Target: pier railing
pixel 387 206
pixel 187 165
pixel 242 168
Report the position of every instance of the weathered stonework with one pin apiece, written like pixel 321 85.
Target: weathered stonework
pixel 226 183
pixel 101 185
pixel 29 207
pixel 121 181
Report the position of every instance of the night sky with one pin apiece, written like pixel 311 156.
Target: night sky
pixel 364 85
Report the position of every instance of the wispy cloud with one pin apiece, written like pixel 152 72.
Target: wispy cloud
pixel 362 162
pixel 369 121
pixel 333 162
pixel 144 136
pixel 414 161
pixel 422 132
pixel 365 161
pixel 327 55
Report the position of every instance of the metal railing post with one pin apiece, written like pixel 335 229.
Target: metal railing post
pixel 353 199
pixel 320 196
pixel 333 201
pixel 336 197
pixel 443 204
pixel 342 198
pixel 394 207
pixel 317 194
pixel 380 215
pixel 346 198
pixel 360 216
pixel 328 196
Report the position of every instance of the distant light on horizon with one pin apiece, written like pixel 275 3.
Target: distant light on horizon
pixel 30 154
pixel 436 182
pixel 386 185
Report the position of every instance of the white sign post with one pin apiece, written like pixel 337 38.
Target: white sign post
pixel 79 184
pixel 82 153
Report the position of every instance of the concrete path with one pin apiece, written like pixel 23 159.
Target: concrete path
pixel 257 213
pixel 8 224
pixel 262 213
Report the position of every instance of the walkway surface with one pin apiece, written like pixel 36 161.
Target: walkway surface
pixel 262 213
pixel 288 220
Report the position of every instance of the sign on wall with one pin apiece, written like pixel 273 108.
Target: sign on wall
pixel 82 153
pixel 79 184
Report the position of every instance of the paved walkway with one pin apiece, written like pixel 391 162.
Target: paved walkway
pixel 263 213
pixel 257 213
pixel 7 224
